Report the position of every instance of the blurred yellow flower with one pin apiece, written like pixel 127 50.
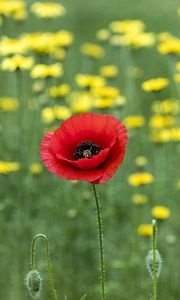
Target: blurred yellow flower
pixel 170 45
pixel 47 115
pixel 162 136
pixel 103 34
pixel 11 8
pixel 177 77
pixel 92 50
pixel 89 81
pixel 105 91
pixel 80 102
pixel 134 121
pixel 109 71
pixel 155 85
pixel 169 106
pixel 62 112
pixel 178 66
pixel 8 167
pixel 139 199
pixel 13 46
pixel 175 134
pixel 141 178
pixel 103 102
pixel 160 212
pixel 44 71
pixel 141 161
pixel 127 26
pixel 48 9
pixel 138 40
pixel 60 91
pixel 8 104
pixel 145 230
pixel 159 121
pixel 36 168
pixel 17 62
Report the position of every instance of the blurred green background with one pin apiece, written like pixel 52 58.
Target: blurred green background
pixel 65 211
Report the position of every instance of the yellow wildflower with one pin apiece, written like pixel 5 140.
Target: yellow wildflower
pixel 175 134
pixel 11 8
pixel 139 199
pixel 105 91
pixel 8 167
pixel 162 136
pixel 92 50
pixel 8 104
pixel 159 121
pixel 138 179
pixel 177 77
pixel 138 40
pixel 17 62
pixel 44 71
pixel 170 45
pixel 167 106
pixel 62 112
pixel 155 85
pixel 13 46
pixel 145 230
pixel 103 102
pixel 109 71
pixel 48 9
pixel 141 161
pixel 60 91
pixel 36 168
pixel 87 80
pixel 47 115
pixel 80 102
pixel 134 121
pixel 160 212
pixel 103 35
pixel 178 66
pixel 127 26
pixel 63 38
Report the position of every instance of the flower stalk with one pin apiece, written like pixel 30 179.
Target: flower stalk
pixel 49 266
pixel 101 247
pixel 154 242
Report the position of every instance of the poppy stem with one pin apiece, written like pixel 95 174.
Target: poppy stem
pixel 49 266
pixel 154 242
pixel 101 248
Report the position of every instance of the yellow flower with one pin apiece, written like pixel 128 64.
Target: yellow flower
pixel 178 66
pixel 138 179
pixel 63 38
pixel 92 50
pixel 36 168
pixel 89 81
pixel 134 121
pixel 62 112
pixel 17 62
pixel 139 199
pixel 8 167
pixel 105 91
pixel 177 77
pixel 80 102
pixel 44 71
pixel 155 85
pixel 103 102
pixel 127 26
pixel 47 115
pixel 103 35
pixel 162 136
pixel 160 212
pixel 8 104
pixel 167 106
pixel 159 121
pixel 48 9
pixel 60 91
pixel 11 8
pixel 138 40
pixel 141 161
pixel 145 230
pixel 109 71
pixel 13 46
pixel 169 45
pixel 175 134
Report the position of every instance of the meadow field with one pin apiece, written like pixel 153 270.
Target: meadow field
pixel 63 58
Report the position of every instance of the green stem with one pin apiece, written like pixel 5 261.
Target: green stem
pixel 154 239
pixel 49 267
pixel 101 249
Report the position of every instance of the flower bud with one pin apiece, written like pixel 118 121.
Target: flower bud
pixel 33 283
pixel 150 263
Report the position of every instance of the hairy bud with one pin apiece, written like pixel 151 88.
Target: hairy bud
pixel 150 263
pixel 33 283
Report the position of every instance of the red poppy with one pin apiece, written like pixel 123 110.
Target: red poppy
pixel 87 147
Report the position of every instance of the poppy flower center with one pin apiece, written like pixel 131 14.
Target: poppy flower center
pixel 86 149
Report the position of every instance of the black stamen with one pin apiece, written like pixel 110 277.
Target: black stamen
pixel 86 149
